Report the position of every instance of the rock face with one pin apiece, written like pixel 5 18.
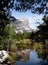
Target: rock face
pixel 21 25
pixel 3 56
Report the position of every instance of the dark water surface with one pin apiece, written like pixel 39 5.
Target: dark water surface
pixel 33 60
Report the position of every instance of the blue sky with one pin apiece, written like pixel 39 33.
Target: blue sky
pixel 33 18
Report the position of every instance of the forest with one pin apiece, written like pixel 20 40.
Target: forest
pixel 11 41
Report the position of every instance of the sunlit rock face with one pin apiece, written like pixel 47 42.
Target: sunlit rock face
pixel 3 56
pixel 21 25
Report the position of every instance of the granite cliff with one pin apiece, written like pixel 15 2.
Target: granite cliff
pixel 21 25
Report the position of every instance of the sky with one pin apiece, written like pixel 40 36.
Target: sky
pixel 33 18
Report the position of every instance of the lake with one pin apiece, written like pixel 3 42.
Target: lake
pixel 33 59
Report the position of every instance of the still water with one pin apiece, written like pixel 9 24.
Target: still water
pixel 33 60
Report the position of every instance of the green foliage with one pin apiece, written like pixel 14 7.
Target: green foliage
pixel 8 5
pixel 26 35
pixel 13 57
pixel 9 29
pixel 43 29
pixel 10 36
pixel 43 36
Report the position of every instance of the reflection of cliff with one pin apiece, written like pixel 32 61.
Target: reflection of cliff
pixel 24 54
pixel 21 25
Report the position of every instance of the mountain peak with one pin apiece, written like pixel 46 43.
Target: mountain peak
pixel 23 19
pixel 21 24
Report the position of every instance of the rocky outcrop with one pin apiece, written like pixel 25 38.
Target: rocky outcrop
pixel 21 25
pixel 3 56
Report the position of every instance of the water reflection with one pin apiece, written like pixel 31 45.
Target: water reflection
pixel 44 62
pixel 34 60
pixel 34 56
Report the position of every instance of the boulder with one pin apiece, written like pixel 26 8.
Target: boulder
pixel 3 56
